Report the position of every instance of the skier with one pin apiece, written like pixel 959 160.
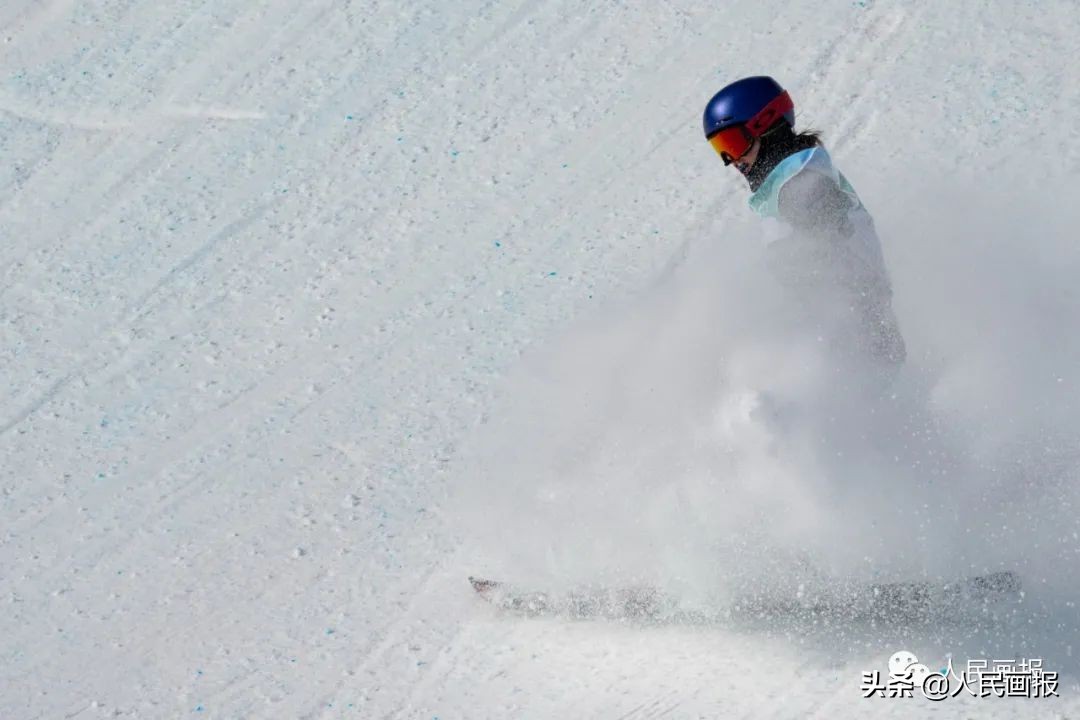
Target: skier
pixel 832 245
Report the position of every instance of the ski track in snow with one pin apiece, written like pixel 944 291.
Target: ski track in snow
pixel 263 265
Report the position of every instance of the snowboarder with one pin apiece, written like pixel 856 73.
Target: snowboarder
pixel 832 243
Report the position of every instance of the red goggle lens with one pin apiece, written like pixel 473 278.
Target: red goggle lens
pixel 731 143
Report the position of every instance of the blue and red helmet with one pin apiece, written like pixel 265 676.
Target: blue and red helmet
pixel 744 110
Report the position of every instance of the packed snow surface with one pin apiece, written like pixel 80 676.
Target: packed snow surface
pixel 312 309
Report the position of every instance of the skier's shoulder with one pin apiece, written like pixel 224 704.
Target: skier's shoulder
pixel 811 196
pixel 765 196
pixel 811 170
pixel 807 182
pixel 801 168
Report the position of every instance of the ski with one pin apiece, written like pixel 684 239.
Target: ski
pixel 641 603
pixel 900 601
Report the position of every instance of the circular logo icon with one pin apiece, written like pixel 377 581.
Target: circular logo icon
pixel 900 662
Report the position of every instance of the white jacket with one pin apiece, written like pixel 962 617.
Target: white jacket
pixel 832 245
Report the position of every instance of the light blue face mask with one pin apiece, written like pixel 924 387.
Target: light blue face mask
pixel 766 200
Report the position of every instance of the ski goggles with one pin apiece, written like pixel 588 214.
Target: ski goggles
pixel 733 142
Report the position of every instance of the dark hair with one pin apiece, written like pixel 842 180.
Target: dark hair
pixel 783 133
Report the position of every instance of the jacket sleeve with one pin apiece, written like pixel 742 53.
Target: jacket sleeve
pixel 820 212
pixel 815 204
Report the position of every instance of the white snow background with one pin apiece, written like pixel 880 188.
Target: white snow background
pixel 310 310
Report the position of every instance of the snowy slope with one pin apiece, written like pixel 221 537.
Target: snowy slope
pixel 266 267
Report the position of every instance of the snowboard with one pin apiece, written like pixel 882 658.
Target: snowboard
pixel 900 601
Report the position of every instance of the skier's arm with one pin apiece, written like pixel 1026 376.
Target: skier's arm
pixel 818 209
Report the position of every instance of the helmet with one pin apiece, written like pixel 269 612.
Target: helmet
pixel 756 102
